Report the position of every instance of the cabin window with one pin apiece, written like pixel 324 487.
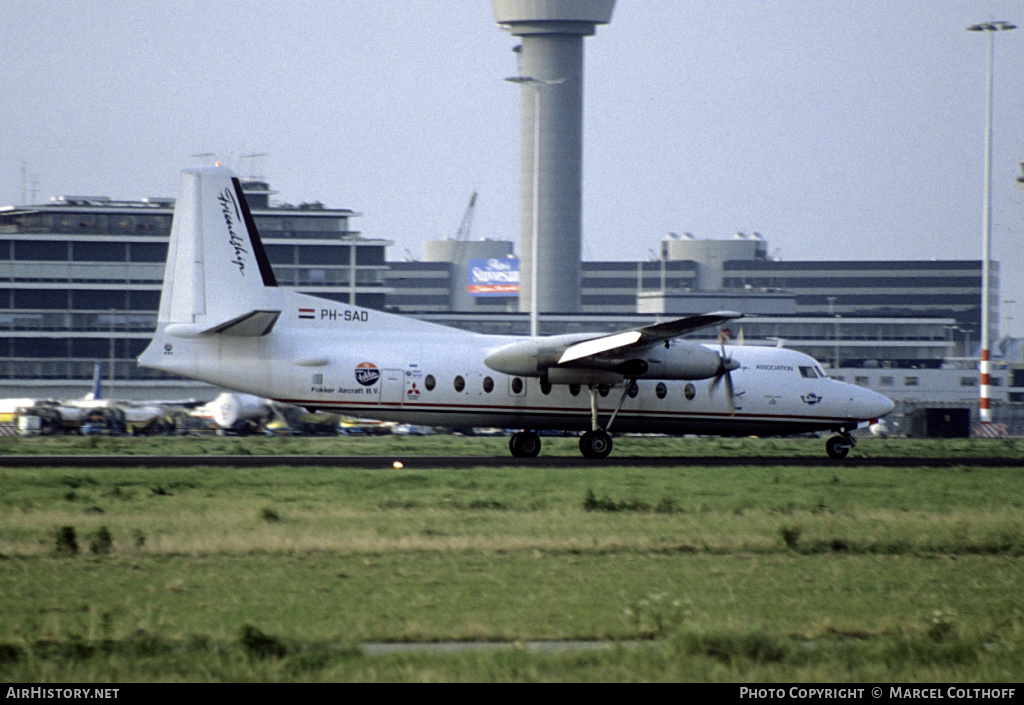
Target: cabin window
pixel 689 391
pixel 429 382
pixel 660 390
pixel 603 389
pixel 545 386
pixel 574 389
pixel 488 385
pixel 633 390
pixel 460 383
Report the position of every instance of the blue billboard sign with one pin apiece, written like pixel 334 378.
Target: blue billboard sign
pixel 493 277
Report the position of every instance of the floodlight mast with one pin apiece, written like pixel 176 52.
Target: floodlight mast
pixel 985 401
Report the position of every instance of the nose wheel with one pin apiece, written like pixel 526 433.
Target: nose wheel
pixel 838 447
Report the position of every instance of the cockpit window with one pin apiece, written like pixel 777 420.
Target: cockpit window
pixel 809 372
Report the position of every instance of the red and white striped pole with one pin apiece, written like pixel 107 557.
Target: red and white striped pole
pixel 985 410
pixel 985 407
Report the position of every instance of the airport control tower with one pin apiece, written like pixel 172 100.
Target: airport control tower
pixel 551 76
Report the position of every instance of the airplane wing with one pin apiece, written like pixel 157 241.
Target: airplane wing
pixel 645 336
pixel 615 354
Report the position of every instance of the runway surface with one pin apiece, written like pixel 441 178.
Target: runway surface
pixel 418 462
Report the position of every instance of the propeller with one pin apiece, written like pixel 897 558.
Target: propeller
pixel 725 367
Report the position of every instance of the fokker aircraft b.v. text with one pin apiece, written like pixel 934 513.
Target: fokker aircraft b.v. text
pixel 224 320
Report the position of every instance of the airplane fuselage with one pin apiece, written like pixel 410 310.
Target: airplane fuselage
pixel 336 361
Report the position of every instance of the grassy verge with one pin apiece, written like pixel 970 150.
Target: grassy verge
pixel 690 573
pixel 497 446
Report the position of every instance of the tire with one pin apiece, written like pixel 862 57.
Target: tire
pixel 524 444
pixel 837 447
pixel 595 444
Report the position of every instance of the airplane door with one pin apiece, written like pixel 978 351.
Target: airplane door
pixel 392 387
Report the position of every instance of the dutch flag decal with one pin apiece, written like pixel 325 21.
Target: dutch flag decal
pixel 307 313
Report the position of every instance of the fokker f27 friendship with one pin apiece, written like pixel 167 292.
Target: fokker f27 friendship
pixel 224 320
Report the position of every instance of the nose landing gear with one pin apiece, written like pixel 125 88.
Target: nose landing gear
pixel 838 447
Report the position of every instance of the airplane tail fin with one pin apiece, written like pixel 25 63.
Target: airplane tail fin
pixel 97 382
pixel 217 274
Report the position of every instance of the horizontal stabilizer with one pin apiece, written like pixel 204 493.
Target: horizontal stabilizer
pixel 250 325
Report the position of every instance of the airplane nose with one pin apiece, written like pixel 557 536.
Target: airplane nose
pixel 879 405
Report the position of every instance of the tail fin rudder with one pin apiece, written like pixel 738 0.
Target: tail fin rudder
pixel 217 274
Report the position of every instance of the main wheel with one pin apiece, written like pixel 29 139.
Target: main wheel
pixel 595 444
pixel 524 444
pixel 837 447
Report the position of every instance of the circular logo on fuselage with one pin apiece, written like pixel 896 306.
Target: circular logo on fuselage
pixel 367 374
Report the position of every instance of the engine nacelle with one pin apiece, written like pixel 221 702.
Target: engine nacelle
pixel 681 360
pixel 537 357
pixel 532 357
pixel 230 408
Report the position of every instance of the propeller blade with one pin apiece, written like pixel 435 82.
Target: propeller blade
pixel 725 368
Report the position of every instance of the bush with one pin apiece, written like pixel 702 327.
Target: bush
pixel 261 645
pixel 67 542
pixel 790 534
pixel 101 542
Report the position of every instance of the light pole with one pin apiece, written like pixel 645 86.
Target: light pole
pixel 536 84
pixel 985 409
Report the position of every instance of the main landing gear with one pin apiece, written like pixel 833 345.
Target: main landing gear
pixel 524 444
pixel 838 447
pixel 595 443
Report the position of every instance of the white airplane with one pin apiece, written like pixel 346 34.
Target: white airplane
pixel 224 320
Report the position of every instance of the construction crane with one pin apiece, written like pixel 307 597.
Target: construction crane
pixel 462 234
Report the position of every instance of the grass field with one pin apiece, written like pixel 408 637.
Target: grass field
pixel 689 572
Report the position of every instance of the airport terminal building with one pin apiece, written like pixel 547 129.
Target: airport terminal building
pixel 80 281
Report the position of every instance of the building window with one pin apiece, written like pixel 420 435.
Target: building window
pixel 323 254
pixel 148 251
pixel 41 298
pixel 39 250
pixel 371 255
pixel 100 252
pixel 911 381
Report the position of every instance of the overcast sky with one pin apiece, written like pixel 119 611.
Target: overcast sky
pixel 839 129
